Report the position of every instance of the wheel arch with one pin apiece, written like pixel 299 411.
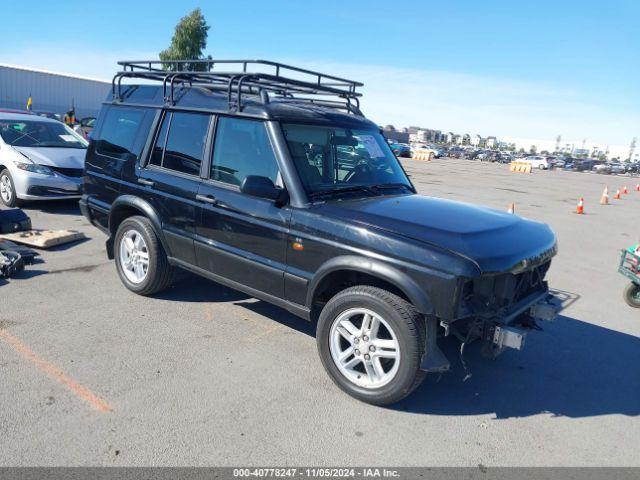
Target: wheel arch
pixel 329 280
pixel 127 206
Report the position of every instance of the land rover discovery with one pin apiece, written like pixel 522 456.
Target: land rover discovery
pixel 268 179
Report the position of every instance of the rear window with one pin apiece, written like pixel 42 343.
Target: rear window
pixel 120 132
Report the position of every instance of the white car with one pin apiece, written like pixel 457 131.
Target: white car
pixel 40 159
pixel 536 162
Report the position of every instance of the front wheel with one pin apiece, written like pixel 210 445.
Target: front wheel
pixel 632 295
pixel 8 194
pixel 371 343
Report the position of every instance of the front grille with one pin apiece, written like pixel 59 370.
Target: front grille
pixel 493 292
pixel 68 172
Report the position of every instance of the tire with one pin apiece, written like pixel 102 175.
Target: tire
pixel 398 321
pixel 8 190
pixel 158 274
pixel 632 295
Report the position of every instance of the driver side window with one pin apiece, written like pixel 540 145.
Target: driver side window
pixel 242 148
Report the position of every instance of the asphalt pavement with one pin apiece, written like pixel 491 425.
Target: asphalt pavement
pixel 91 374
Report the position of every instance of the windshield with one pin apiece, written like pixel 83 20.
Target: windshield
pixel 34 133
pixel 331 160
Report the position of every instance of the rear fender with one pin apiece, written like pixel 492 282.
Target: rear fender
pixel 126 205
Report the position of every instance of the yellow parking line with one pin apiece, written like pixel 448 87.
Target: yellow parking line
pixel 54 372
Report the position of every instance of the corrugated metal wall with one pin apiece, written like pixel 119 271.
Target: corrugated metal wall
pixel 51 92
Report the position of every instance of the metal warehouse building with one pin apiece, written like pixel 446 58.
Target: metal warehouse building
pixel 51 92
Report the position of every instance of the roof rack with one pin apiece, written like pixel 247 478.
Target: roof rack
pixel 242 77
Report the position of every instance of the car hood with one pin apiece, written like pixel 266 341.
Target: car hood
pixel 496 241
pixel 55 157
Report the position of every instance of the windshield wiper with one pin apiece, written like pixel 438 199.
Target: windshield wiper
pixel 351 188
pixel 388 186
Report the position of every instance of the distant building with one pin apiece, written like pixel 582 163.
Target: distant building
pixel 400 136
pixel 51 92
pixel 491 142
pixel 457 139
pixel 449 137
pixel 475 140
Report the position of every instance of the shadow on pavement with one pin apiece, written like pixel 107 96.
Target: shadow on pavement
pixel 57 207
pixel 192 288
pixel 572 369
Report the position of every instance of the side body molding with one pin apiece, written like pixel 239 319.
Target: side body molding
pixel 378 269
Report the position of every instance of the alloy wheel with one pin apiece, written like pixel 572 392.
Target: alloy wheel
pixel 364 347
pixel 134 256
pixel 6 189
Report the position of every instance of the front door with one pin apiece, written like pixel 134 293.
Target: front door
pixel 240 237
pixel 172 178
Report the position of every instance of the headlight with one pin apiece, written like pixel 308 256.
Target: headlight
pixel 33 167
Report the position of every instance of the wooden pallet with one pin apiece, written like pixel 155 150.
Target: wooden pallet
pixel 44 238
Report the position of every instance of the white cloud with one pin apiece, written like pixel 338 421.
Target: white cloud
pixel 431 98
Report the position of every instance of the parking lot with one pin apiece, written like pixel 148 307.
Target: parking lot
pixel 91 374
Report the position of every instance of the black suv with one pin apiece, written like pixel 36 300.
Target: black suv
pixel 268 179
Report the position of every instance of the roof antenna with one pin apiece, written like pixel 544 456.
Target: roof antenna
pixel 264 96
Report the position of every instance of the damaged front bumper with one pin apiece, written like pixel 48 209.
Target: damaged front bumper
pixel 498 331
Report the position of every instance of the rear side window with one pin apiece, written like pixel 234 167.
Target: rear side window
pixel 180 142
pixel 120 129
pixel 242 148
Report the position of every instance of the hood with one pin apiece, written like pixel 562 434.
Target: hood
pixel 496 241
pixel 55 157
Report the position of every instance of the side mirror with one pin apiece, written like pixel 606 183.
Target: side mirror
pixel 262 187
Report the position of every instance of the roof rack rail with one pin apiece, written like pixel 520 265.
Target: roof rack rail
pixel 243 77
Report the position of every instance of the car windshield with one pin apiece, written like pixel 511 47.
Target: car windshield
pixel 333 160
pixel 34 133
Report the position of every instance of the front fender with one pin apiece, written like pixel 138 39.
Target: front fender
pixel 381 270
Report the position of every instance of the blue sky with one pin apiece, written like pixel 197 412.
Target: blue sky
pixel 522 69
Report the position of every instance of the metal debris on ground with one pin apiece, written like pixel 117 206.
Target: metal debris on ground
pixel 10 263
pixel 28 255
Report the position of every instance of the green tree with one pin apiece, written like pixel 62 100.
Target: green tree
pixel 533 149
pixel 188 42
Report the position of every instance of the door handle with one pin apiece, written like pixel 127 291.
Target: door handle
pixel 148 183
pixel 206 198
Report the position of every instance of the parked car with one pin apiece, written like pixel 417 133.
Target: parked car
pixel 86 126
pixel 602 168
pixel 536 162
pixel 438 151
pixel 401 150
pixel 617 168
pixel 352 247
pixel 40 159
pixel 51 115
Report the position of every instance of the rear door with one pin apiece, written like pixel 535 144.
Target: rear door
pixel 171 177
pixel 240 237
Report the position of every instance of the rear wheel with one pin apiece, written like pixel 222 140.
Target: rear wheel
pixel 371 343
pixel 632 295
pixel 140 259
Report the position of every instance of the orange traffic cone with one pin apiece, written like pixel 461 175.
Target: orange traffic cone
pixel 625 190
pixel 604 199
pixel 512 208
pixel 580 207
pixel 617 195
